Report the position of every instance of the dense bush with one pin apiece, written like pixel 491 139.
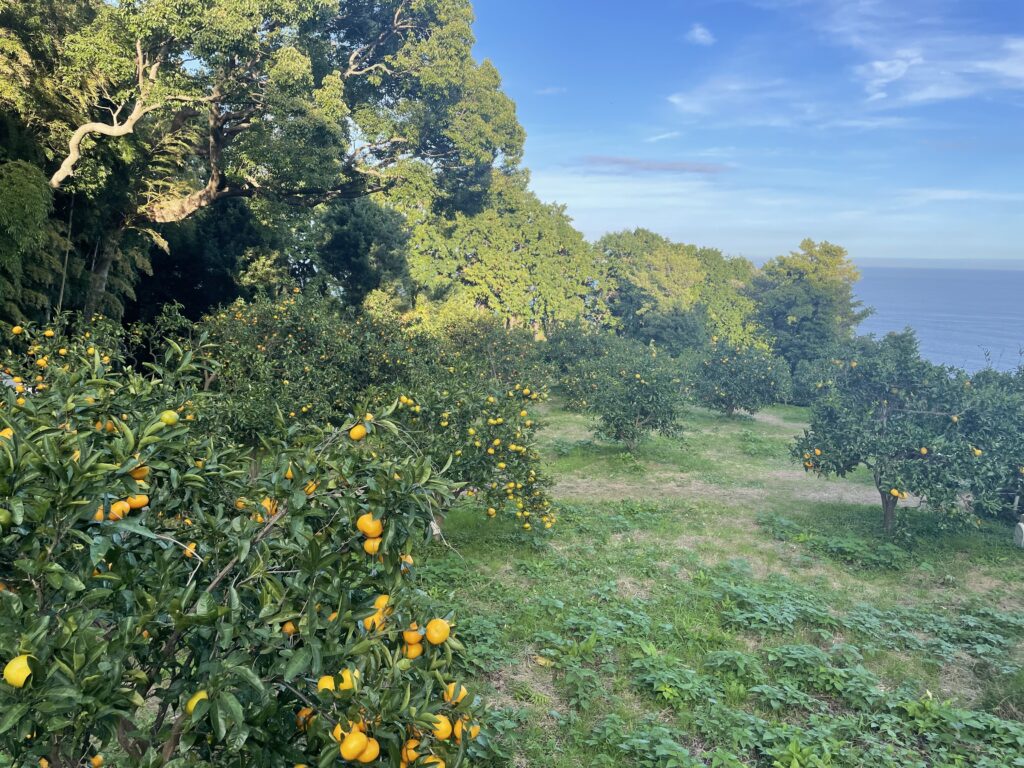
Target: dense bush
pixel 731 379
pixel 634 391
pixel 899 416
pixel 167 599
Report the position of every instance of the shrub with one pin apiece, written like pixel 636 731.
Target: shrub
pixel 731 379
pixel 296 357
pixel 897 415
pixel 636 391
pixel 173 603
pixel 485 440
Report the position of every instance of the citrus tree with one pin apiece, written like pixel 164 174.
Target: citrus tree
pixel 730 379
pixel 635 391
pixel 991 424
pixel 166 602
pixel 295 357
pixel 899 416
pixel 488 439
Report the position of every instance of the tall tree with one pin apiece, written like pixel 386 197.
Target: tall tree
pixel 805 300
pixel 518 258
pixel 292 101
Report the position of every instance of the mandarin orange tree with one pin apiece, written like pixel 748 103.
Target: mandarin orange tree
pixel 635 390
pixel 730 379
pixel 166 602
pixel 296 356
pixel 899 416
pixel 489 439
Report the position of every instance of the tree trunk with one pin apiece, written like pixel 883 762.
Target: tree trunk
pixel 103 258
pixel 888 511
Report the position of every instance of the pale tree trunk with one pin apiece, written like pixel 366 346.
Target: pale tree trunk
pixel 103 259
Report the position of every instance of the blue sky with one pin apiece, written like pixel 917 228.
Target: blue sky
pixel 892 127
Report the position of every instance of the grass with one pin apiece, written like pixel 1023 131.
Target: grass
pixel 705 603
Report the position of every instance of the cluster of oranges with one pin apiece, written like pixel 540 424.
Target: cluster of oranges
pixel 119 510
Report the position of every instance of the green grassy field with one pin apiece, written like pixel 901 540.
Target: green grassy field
pixel 706 603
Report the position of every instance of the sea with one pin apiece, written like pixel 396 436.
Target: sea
pixel 970 318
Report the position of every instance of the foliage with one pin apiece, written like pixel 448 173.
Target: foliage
pixel 731 379
pixel 516 259
pixel 805 301
pixel 293 359
pixel 897 415
pixel 633 391
pixel 677 295
pixel 179 603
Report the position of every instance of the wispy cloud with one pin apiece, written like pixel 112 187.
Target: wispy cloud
pixel 700 35
pixel 551 90
pixel 663 137
pixel 913 54
pixel 927 195
pixel 635 165
pixel 726 91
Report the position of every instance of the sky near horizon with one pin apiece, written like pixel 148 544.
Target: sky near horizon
pixel 892 127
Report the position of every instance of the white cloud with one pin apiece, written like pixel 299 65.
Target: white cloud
pixel 926 195
pixel 920 51
pixel 700 35
pixel 663 137
pixel 551 90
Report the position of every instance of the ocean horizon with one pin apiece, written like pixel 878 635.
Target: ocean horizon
pixel 972 317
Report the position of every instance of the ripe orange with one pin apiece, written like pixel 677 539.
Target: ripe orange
pixel 357 433
pixel 353 744
pixel 141 472
pixel 325 683
pixel 442 727
pixel 302 718
pixel 349 678
pixel 289 628
pixel 438 631
pixel 455 692
pixel 137 501
pixel 412 651
pixel 369 526
pixel 371 546
pixel 370 753
pixel 409 753
pixel 119 509
pixel 96 761
pixel 412 635
pixel 17 671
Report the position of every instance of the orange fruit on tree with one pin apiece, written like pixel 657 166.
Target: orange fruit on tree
pixel 371 752
pixel 369 526
pixel 438 631
pixel 353 744
pixel 357 433
pixel 17 671
pixel 196 698
pixel 289 628
pixel 119 509
pixel 137 501
pixel 412 651
pixel 409 753
pixel 412 635
pixel 455 692
pixel 349 678
pixel 325 683
pixel 371 546
pixel 442 727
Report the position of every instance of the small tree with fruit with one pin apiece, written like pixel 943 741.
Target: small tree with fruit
pixel 897 415
pixel 731 379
